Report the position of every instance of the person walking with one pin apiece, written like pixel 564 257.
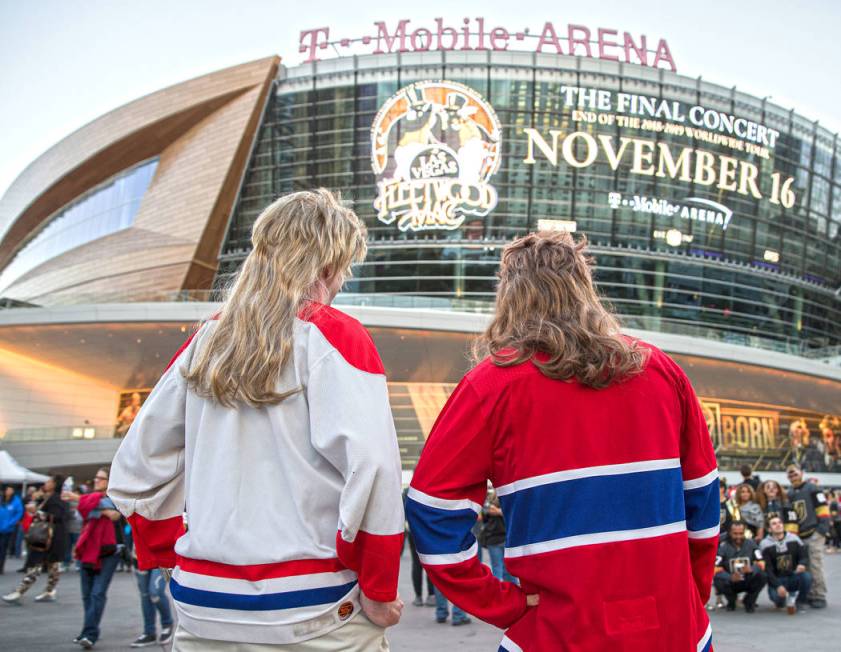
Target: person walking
pixel 561 412
pixel 493 537
pixel 271 426
pixel 75 523
pixel 47 554
pixel 151 584
pixel 98 551
pixel 11 513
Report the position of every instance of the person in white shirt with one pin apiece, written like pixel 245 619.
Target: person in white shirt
pixel 271 435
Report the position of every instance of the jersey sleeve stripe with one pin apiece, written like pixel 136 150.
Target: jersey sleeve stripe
pixel 704 534
pixel 703 481
pixel 703 509
pixel 507 645
pixel 706 642
pixel 440 531
pixel 453 558
pixel 443 503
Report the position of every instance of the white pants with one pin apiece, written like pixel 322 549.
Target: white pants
pixel 358 635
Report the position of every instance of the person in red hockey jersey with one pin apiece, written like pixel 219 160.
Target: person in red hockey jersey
pixel 600 455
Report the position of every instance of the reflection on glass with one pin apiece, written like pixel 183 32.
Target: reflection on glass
pixel 109 208
pixel 709 281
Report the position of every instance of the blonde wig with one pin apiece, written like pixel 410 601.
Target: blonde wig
pixel 548 311
pixel 298 241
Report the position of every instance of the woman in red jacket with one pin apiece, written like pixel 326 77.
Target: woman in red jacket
pixel 600 455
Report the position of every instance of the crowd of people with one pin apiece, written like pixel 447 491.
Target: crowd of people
pixel 58 528
pixel 281 395
pixel 776 538
pixel 816 449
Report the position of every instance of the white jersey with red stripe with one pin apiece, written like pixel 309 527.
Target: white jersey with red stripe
pixel 291 508
pixel 610 499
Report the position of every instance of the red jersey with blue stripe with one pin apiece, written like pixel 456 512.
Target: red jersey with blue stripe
pixel 610 499
pixel 264 489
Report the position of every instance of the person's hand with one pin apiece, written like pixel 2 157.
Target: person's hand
pixel 69 495
pixel 781 591
pixel 112 514
pixel 736 577
pixel 800 568
pixel 532 600
pixel 384 614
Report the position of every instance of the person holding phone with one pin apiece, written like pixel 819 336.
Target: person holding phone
pixel 739 568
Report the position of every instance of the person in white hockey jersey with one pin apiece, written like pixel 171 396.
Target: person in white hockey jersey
pixel 271 435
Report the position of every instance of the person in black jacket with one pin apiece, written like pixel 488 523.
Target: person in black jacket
pixel 748 476
pixel 738 568
pixel 812 509
pixel 54 510
pixel 786 566
pixel 493 537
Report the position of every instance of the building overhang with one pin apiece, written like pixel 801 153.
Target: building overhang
pixel 189 314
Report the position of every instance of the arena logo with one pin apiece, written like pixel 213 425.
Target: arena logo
pixel 434 148
pixel 478 35
pixel 695 209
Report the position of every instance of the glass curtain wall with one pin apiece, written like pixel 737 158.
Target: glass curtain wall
pixel 769 278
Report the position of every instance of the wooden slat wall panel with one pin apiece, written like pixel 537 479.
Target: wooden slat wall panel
pixel 181 222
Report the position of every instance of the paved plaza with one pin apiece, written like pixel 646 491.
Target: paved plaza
pixel 42 627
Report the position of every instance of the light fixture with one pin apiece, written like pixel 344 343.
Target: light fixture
pixel 674 238
pixel 772 256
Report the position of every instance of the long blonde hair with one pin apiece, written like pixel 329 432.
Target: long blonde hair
pixel 295 240
pixel 548 311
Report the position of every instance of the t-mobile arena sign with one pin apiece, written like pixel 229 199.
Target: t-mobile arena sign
pixel 475 34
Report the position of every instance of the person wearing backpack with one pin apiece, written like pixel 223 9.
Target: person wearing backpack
pixel 46 540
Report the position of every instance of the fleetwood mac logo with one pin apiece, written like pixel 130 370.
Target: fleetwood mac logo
pixel 434 147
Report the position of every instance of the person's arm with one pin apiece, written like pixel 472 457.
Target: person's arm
pixel 791 520
pixel 757 561
pixel 822 512
pixel 770 569
pixel 352 426
pixel 802 557
pixel 447 492
pixel 108 509
pixel 700 489
pixel 15 510
pixel 147 474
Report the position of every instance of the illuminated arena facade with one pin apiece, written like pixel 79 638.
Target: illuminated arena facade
pixel 713 218
pixel 766 275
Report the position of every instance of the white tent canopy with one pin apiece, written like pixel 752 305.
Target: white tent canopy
pixel 13 473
